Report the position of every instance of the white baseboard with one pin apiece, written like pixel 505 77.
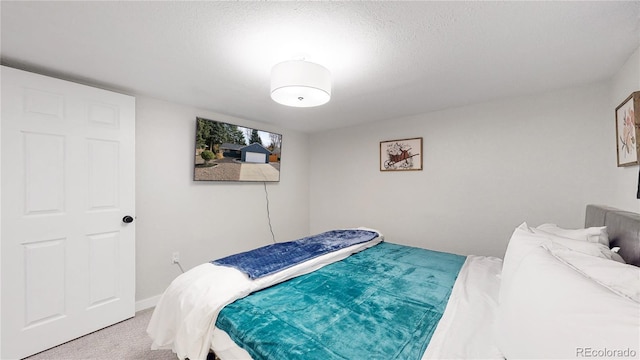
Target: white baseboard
pixel 147 303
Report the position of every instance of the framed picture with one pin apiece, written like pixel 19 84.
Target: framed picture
pixel 401 155
pixel 627 121
pixel 229 152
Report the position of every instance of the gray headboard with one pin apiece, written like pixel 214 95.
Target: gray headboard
pixel 623 228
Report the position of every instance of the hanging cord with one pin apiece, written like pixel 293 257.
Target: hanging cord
pixel 266 194
pixel 180 266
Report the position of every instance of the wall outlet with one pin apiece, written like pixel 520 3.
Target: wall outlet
pixel 175 258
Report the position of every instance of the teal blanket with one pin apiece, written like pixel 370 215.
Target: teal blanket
pixel 382 303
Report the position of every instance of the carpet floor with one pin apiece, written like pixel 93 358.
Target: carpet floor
pixel 127 340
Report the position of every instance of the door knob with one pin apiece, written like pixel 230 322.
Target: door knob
pixel 127 219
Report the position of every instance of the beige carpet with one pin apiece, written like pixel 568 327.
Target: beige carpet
pixel 125 340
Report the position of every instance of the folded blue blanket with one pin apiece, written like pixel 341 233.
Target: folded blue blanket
pixel 273 258
pixel 382 303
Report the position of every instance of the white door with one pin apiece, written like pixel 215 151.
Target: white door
pixel 252 157
pixel 68 259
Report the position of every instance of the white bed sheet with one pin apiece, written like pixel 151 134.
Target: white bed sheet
pixel 184 323
pixel 465 331
pixel 467 327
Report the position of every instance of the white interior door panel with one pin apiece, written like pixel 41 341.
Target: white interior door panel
pixel 68 177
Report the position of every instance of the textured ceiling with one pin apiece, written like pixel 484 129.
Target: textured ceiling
pixel 388 59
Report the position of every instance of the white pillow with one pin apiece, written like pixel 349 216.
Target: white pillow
pixel 618 277
pixel 592 234
pixel 592 248
pixel 522 241
pixel 615 256
pixel 584 247
pixel 549 310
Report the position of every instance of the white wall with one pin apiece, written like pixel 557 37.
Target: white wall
pixel 487 168
pixel 538 159
pixel 205 220
pixel 625 180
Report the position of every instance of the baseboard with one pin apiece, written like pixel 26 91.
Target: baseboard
pixel 147 303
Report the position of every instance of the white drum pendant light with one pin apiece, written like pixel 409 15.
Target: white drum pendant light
pixel 300 83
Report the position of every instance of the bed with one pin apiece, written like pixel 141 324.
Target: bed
pixel 555 292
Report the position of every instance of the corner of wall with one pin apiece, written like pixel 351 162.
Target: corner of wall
pixel 623 83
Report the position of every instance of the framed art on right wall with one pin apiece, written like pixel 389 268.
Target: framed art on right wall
pixel 627 121
pixel 401 155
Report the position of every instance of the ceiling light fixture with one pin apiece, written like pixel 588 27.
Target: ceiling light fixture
pixel 300 83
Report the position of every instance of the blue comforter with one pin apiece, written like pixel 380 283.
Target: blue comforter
pixel 273 258
pixel 382 303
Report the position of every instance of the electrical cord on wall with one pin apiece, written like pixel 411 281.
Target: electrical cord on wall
pixel 266 194
pixel 273 237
